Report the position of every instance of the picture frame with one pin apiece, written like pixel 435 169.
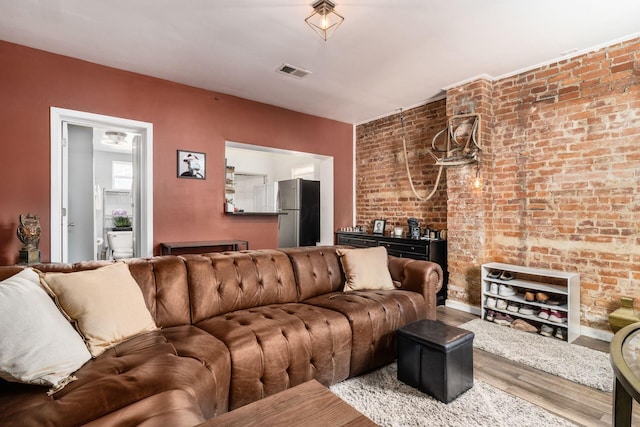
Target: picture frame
pixel 379 225
pixel 192 165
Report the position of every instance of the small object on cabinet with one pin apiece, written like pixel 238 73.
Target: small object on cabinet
pixel 379 225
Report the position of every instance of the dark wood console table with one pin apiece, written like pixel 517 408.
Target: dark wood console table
pixel 168 247
pixel 434 250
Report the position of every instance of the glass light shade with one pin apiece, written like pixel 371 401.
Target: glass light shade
pixel 324 20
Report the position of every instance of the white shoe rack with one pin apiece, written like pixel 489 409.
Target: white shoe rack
pixel 556 284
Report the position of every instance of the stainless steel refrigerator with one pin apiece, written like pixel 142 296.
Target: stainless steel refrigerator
pixel 299 199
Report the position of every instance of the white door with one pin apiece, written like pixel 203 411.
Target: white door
pixel 79 190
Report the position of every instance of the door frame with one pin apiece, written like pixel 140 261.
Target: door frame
pixel 143 164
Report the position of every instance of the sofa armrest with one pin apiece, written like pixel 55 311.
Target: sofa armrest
pixel 424 277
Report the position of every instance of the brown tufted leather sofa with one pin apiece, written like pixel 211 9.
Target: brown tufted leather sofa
pixel 235 327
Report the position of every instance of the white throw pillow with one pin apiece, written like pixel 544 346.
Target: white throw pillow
pixel 366 269
pixel 37 344
pixel 106 304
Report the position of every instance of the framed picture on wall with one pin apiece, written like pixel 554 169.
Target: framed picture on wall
pixel 191 164
pixel 378 226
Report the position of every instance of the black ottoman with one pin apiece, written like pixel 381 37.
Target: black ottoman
pixel 435 358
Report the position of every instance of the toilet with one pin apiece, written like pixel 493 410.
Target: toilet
pixel 120 244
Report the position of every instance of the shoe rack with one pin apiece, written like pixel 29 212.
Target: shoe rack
pixel 557 285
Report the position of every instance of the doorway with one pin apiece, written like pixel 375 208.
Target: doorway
pixel 79 221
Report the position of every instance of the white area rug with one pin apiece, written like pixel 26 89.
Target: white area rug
pixel 573 362
pixel 388 402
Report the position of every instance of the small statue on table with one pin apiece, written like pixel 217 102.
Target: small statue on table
pixel 29 234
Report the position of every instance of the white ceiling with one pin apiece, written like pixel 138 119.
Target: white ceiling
pixel 387 54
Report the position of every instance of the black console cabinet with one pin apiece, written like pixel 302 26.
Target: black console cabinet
pixel 428 250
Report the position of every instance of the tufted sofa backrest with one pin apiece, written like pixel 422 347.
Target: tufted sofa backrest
pixel 317 270
pixel 223 282
pixel 181 290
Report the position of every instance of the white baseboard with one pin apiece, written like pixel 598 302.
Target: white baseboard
pixel 463 307
pixel 587 331
pixel 598 334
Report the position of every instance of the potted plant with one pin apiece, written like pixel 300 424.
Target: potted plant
pixel 122 223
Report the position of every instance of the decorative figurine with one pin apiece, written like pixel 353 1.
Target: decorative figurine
pixel 29 234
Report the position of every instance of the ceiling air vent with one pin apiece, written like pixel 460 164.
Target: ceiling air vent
pixel 290 70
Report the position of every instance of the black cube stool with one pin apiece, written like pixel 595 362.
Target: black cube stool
pixel 435 358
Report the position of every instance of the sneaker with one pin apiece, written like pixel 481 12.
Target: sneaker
pixel 513 306
pixel 557 316
pixel 506 291
pixel 494 274
pixel 523 325
pixel 503 319
pixel 491 302
pixel 529 296
pixel 561 334
pixel 546 330
pixel 507 275
pixel 542 297
pixel 501 304
pixel 493 289
pixel 527 309
pixel 490 315
pixel 544 314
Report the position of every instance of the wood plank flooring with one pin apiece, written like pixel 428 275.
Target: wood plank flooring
pixel 577 403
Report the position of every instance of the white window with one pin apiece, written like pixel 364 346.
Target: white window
pixel 304 171
pixel 121 175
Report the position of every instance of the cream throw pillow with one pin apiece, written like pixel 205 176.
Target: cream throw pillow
pixel 366 269
pixel 37 344
pixel 106 304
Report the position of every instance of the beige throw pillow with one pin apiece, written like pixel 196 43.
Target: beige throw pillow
pixel 366 269
pixel 37 344
pixel 105 304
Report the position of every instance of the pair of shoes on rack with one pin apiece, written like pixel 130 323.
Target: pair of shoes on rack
pixel 503 319
pixel 523 325
pixel 513 307
pixel 527 309
pixel 539 297
pixel 502 275
pixel 494 274
pixel 553 315
pixel 548 330
pixel 506 291
pixel 557 316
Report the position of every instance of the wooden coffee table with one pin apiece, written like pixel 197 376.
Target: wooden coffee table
pixel 309 404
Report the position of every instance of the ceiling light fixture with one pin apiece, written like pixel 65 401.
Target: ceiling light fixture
pixel 324 20
pixel 116 138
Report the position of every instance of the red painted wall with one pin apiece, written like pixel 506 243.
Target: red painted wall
pixel 183 117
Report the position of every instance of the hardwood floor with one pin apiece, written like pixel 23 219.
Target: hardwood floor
pixel 577 403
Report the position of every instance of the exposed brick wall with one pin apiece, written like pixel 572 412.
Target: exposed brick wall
pixel 469 209
pixel 382 186
pixel 566 168
pixel 560 169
